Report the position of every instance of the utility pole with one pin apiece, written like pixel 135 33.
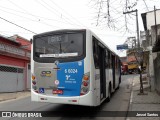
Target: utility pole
pixel 137 28
pixel 139 50
pixel 137 25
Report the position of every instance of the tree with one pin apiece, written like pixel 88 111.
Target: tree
pixel 110 14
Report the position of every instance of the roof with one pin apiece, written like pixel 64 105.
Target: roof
pixel 25 44
pixel 17 36
pixel 9 39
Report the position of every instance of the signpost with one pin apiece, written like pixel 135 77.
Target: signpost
pixel 124 46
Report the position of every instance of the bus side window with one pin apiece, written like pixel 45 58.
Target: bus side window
pixel 115 62
pixel 95 53
pixel 107 59
pixel 111 61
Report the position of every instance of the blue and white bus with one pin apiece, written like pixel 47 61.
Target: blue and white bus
pixel 73 67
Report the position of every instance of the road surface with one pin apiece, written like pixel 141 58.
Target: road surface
pixel 119 102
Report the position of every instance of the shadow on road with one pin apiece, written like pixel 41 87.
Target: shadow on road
pixel 82 111
pixel 72 111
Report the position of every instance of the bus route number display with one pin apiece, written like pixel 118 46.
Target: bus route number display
pixel 71 71
pixel 54 39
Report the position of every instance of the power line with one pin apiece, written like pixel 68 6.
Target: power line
pixel 30 19
pixel 21 8
pixel 66 12
pixel 17 25
pixel 145 4
pixel 38 17
pixel 40 21
pixel 17 15
pixel 59 12
pixel 26 12
pixel 50 9
pixel 15 32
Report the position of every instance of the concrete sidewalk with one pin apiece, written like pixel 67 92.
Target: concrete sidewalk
pixel 14 95
pixel 148 102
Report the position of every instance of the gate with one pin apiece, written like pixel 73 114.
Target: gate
pixel 11 79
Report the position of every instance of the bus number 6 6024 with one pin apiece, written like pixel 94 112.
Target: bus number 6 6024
pixel 71 71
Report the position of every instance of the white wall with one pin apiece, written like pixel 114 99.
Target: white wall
pixel 151 19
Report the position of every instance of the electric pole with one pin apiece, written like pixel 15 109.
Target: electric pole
pixel 139 50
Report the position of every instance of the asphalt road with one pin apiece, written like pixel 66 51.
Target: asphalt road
pixel 119 102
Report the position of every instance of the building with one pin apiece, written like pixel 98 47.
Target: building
pixel 151 22
pixel 14 64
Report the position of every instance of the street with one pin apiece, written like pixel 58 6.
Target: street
pixel 119 102
pixel 80 60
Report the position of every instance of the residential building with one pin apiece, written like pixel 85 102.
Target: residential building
pixel 14 64
pixel 151 22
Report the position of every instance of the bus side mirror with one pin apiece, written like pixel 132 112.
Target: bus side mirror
pixel 31 41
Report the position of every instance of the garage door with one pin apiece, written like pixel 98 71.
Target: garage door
pixel 11 79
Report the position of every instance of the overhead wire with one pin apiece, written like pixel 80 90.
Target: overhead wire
pixel 50 9
pixel 32 14
pixel 40 18
pixel 146 5
pixel 15 32
pixel 67 13
pixel 64 16
pixel 17 25
pixel 37 17
pixel 29 18
pixel 26 12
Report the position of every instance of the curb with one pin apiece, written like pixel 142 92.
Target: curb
pixel 130 102
pixel 15 96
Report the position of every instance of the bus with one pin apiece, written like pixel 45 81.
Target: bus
pixel 73 66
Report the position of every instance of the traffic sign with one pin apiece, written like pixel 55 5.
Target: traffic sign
pixel 124 46
pixel 41 90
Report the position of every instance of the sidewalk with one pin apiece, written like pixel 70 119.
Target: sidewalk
pixel 13 95
pixel 148 102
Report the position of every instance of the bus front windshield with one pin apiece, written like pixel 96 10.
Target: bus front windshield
pixel 59 46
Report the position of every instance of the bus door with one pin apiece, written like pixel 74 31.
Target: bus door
pixel 113 70
pixel 102 72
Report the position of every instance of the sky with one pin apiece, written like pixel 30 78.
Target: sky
pixel 40 16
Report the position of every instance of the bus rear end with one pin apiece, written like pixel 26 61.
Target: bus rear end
pixel 58 74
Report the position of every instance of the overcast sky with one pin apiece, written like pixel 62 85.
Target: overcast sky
pixel 47 15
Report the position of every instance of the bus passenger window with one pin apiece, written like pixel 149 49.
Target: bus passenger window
pixel 95 53
pixel 107 60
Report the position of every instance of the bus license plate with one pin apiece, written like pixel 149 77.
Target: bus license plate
pixel 57 91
